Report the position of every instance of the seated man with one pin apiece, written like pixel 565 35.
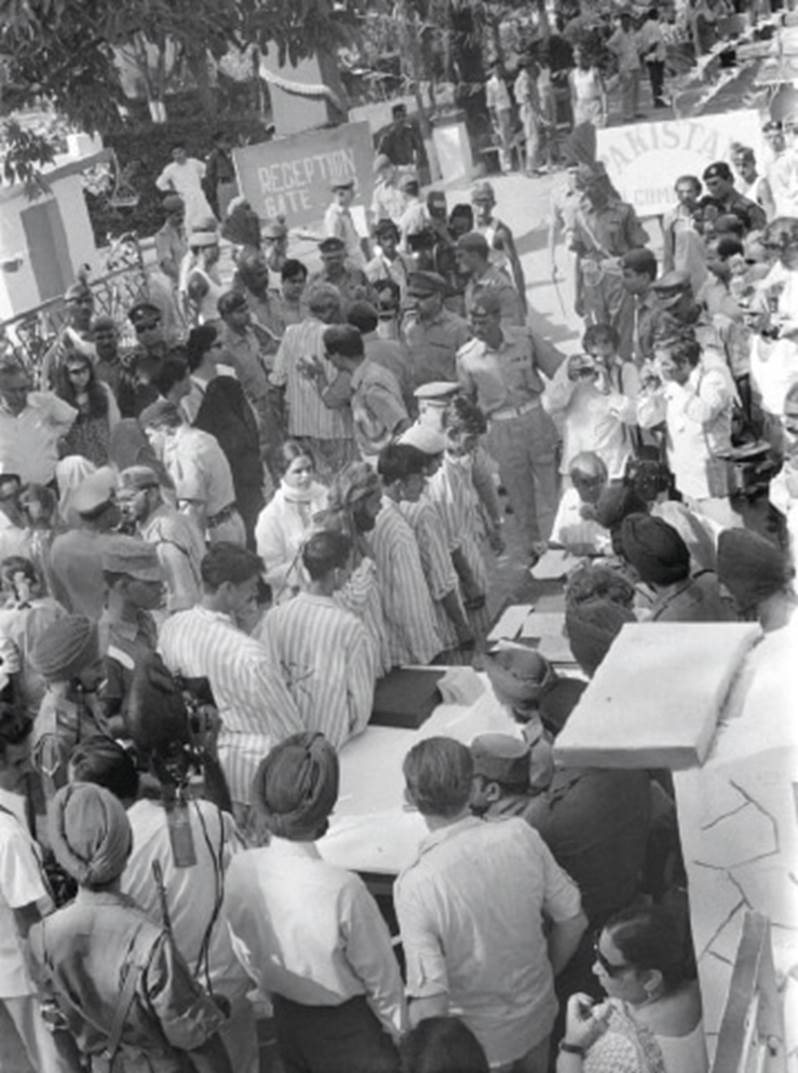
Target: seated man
pixel 575 525
pixel 662 561
pixel 473 911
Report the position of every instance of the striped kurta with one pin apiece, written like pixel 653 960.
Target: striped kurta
pixel 406 602
pixel 255 706
pixel 307 414
pixel 327 660
pixel 361 596
pixel 436 561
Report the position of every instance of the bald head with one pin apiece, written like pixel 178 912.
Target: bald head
pixel 588 474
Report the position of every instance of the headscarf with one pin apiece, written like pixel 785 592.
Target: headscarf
pixel 90 833
pixel 65 648
pixel 354 483
pixel 591 629
pixel 751 567
pixel 70 472
pixel 296 787
pixel 228 417
pixel 655 549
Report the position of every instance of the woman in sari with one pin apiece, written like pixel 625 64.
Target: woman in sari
pixel 651 1022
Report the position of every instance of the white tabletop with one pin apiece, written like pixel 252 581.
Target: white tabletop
pixel 372 830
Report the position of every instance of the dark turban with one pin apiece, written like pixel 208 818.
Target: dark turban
pixel 89 833
pixel 751 567
pixel 655 549
pixel 66 648
pixel 354 483
pixel 615 503
pixel 296 787
pixel 155 712
pixel 591 629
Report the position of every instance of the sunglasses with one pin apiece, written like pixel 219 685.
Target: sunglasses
pixel 607 966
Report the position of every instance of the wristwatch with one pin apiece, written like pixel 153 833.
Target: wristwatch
pixel 571 1048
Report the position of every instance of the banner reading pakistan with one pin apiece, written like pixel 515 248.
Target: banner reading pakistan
pixel 291 176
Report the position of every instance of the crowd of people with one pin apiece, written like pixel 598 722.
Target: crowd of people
pixel 215 541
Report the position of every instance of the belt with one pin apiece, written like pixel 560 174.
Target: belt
pixel 507 413
pixel 222 515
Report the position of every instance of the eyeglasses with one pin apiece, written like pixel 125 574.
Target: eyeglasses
pixel 607 966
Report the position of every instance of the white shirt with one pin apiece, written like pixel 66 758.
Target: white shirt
pixel 199 469
pixel 774 363
pixel 496 95
pixel 471 912
pixel 191 893
pixel 186 180
pixel 338 223
pixel 256 709
pixel 21 884
pixel 570 528
pixel 327 660
pixel 29 441
pixel 311 932
pixel 595 419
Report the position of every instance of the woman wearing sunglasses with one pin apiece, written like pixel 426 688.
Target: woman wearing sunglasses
pixel 651 1022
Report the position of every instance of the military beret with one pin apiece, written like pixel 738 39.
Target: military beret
pixel 143 313
pixel 95 492
pixel 133 557
pixel 423 283
pixel 172 203
pixel 439 390
pixel 483 191
pixel 332 245
pixel 486 301
pixel 501 758
pixel 136 478
pixel 473 242
pixel 719 170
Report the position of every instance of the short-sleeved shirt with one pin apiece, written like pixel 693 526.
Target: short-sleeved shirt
pixel 200 470
pixel 497 281
pixel 377 407
pixel 508 375
pixel 496 94
pixel 433 345
pixel 125 645
pixel 21 884
pixel 352 284
pixel 29 440
pixel 471 911
pixel 307 414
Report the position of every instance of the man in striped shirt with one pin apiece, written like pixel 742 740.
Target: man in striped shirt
pixel 325 652
pixel 255 706
pixel 328 432
pixel 406 602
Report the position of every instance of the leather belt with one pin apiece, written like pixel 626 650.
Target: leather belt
pixel 507 413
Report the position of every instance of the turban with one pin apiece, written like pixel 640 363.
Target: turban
pixel 296 787
pixel 355 483
pixel 655 549
pixel 591 628
pixel 89 833
pixel 751 567
pixel 155 711
pixel 558 701
pixel 517 675
pixel 596 581
pixel 65 648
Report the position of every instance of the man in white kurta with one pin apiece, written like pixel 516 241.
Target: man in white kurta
pixel 183 176
pixel 325 653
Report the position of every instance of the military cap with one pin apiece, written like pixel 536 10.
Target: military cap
pixel 437 391
pixel 143 313
pixel 672 284
pixel 502 758
pixel 473 242
pixel 133 557
pixel 483 191
pixel 275 229
pixel 203 237
pixel 94 493
pixel 384 225
pixel 436 197
pixel 407 178
pixel 342 183
pixel 136 478
pixel 423 283
pixel 332 245
pixel 486 302
pixel 719 170
pixel 424 438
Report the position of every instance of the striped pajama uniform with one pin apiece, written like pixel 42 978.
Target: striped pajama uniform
pixel 430 532
pixel 255 707
pixel 361 596
pixel 406 602
pixel 328 664
pixel 330 432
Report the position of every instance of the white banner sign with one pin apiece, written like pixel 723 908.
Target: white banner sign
pixel 645 160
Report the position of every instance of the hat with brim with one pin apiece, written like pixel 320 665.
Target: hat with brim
pixel 203 239
pixel 132 557
pixel 424 438
pixel 95 493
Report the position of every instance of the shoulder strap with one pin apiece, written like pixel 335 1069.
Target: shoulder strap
pixel 140 958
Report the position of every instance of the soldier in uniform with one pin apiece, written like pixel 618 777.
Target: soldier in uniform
pixel 350 280
pixel 433 334
pixel 473 255
pixel 499 236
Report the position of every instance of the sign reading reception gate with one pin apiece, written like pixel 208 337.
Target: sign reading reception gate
pixel 645 160
pixel 291 176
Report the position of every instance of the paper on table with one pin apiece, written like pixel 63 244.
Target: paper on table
pixel 460 685
pixel 510 622
pixel 553 565
pixel 543 622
